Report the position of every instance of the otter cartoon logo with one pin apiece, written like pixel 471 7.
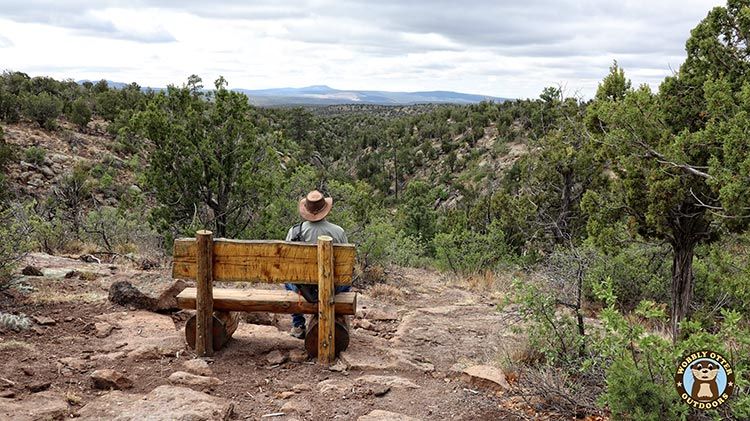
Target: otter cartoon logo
pixel 704 379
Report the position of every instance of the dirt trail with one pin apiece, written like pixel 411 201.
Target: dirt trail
pixel 406 355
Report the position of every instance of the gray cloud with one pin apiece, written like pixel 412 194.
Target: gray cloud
pixel 78 17
pixel 5 42
pixel 572 39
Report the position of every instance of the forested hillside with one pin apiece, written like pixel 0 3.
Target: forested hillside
pixel 621 220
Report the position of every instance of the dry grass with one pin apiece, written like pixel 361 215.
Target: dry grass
pixel 72 398
pixel 14 345
pixel 88 276
pixel 386 292
pixel 54 297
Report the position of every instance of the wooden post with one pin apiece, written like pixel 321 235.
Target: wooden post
pixel 224 325
pixel 204 302
pixel 326 296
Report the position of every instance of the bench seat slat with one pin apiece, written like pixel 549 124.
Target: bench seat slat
pixel 263 261
pixel 261 300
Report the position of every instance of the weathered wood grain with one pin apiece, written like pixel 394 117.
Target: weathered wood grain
pixel 261 300
pixel 326 315
pixel 263 261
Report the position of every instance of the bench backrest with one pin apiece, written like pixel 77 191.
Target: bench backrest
pixel 266 261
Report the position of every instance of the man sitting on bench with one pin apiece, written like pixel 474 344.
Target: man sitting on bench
pixel 313 209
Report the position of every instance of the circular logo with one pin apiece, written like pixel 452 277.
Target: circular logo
pixel 704 379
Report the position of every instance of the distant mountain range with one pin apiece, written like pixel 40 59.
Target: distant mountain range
pixel 325 95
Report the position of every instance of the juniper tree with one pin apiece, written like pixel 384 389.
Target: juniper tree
pixel 680 158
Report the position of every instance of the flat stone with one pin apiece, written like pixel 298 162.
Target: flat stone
pixel 110 379
pixel 296 406
pixel 378 389
pixel 298 356
pixel 286 394
pixel 392 381
pixel 382 314
pixel 7 394
pixel 44 320
pixel 380 415
pixel 103 329
pixel 74 363
pixel 486 376
pixel 39 406
pixel 276 357
pixel 181 377
pixel 162 403
pixel 39 386
pixel 302 387
pixel 333 385
pixel 197 366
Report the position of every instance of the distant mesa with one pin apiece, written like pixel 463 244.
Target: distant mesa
pixel 325 95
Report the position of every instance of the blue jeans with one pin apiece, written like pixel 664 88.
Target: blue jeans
pixel 298 320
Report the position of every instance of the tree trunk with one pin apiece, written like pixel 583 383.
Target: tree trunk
pixel 682 283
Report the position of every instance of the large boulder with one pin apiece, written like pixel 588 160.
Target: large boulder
pixel 152 296
pixel 163 403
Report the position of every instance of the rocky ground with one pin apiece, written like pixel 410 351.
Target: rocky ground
pixel 421 348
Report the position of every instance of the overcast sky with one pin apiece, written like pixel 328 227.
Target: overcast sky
pixel 500 48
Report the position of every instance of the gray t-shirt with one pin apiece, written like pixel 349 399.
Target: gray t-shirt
pixel 311 231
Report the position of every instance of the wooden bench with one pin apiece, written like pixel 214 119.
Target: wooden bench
pixel 207 260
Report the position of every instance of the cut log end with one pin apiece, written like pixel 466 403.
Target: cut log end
pixel 224 325
pixel 341 337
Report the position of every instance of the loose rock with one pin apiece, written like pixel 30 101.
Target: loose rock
pixel 296 406
pixel 38 387
pixel 103 329
pixel 380 415
pixel 198 367
pixel 297 356
pixel 109 379
pixel 486 377
pixel 181 377
pixel 31 271
pixel 44 320
pixel 276 357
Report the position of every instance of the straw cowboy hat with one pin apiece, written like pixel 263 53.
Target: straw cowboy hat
pixel 314 206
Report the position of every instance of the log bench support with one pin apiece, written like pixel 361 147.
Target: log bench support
pixel 207 260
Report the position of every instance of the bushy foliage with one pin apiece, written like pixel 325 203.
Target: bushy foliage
pixel 34 155
pixel 15 232
pixel 16 322
pixel 382 244
pixel 42 108
pixel 465 252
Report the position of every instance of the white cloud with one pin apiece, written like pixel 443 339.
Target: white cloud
pixel 501 48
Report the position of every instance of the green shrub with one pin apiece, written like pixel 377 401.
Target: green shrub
pixel 80 113
pixel 43 109
pixel 35 155
pixel 15 232
pixel 638 272
pixel 464 251
pixel 383 244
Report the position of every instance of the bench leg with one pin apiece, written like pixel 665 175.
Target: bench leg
pixel 341 334
pixel 204 300
pixel 224 325
pixel 326 314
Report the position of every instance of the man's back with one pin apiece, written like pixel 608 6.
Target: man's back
pixel 311 230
